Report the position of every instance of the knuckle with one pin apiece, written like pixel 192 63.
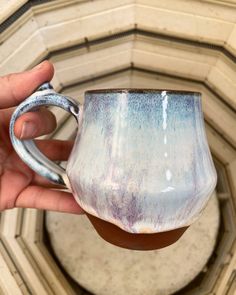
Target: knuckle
pixel 9 82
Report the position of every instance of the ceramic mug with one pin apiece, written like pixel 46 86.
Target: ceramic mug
pixel 140 166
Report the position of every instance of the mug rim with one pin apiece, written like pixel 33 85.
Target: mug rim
pixel 140 90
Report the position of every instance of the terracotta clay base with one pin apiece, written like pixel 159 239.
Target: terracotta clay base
pixel 116 236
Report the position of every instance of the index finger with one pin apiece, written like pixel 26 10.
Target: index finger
pixel 16 87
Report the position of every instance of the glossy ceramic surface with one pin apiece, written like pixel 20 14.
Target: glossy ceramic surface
pixel 141 159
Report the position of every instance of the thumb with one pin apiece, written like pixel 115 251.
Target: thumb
pixel 16 87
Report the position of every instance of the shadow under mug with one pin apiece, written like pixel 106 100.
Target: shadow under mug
pixel 140 166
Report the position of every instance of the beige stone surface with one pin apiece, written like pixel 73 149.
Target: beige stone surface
pixel 231 43
pixel 22 58
pixel 105 269
pixel 183 24
pixel 7 282
pixel 206 8
pixel 26 265
pixel 90 64
pixel 8 7
pixel 18 41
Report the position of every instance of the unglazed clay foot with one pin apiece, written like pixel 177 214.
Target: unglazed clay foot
pixel 116 236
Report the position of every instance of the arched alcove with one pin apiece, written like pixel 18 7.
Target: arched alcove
pixel 179 44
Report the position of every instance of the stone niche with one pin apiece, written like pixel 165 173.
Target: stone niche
pixel 176 44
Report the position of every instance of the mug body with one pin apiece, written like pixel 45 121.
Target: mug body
pixel 141 160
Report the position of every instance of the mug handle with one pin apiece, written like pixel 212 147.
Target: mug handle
pixel 26 149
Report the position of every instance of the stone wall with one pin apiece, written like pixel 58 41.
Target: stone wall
pixel 175 44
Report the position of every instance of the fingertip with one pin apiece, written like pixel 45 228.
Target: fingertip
pixel 17 87
pixel 18 127
pixel 48 67
pixel 44 71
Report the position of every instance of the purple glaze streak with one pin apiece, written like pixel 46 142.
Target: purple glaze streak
pixel 141 160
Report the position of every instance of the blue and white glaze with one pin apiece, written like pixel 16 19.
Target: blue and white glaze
pixel 141 159
pixel 26 149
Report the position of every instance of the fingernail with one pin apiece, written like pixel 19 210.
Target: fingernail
pixel 38 67
pixel 28 130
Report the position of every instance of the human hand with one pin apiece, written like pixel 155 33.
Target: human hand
pixel 19 185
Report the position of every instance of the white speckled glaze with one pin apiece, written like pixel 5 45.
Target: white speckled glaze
pixel 140 160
